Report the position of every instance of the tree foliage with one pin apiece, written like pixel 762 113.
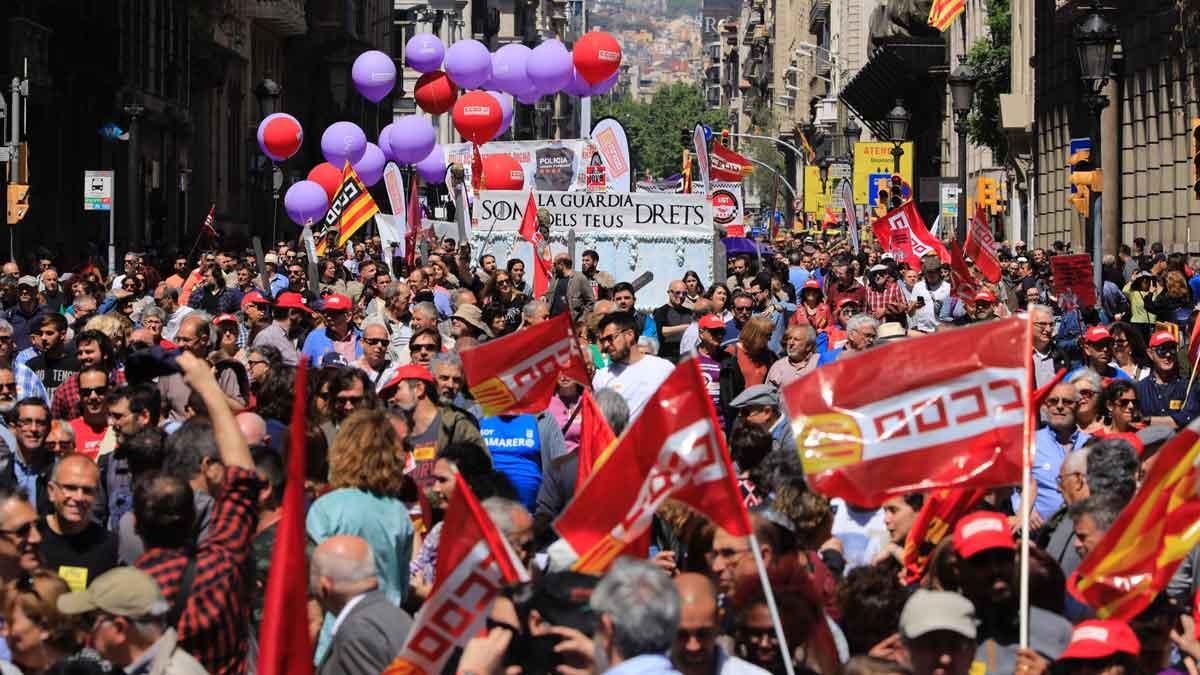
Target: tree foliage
pixel 655 142
pixel 990 57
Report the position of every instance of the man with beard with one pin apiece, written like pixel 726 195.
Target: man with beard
pixel 987 573
pixel 52 364
pixel 8 406
pixel 73 545
pixel 287 316
pixel 636 376
pixel 842 285
pixel 602 282
pixel 434 425
pixel 696 650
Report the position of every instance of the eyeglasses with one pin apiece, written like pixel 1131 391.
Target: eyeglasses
pixel 22 531
pixel 375 342
pixel 1164 351
pixel 725 554
pixel 1055 401
pixel 422 348
pixel 742 310
pixel 85 392
pixel 606 339
pixel 1087 393
pixel 8 386
pixel 758 635
pixel 258 362
pixel 1125 402
pixel 1060 479
pixel 348 400
pixel 61 445
pixel 676 293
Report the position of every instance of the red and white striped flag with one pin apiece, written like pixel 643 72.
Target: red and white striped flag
pixel 207 226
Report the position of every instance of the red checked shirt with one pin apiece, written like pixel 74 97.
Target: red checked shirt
pixel 880 303
pixel 65 405
pixel 213 626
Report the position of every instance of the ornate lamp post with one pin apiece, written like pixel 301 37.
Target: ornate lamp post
pixel 962 91
pixel 1095 39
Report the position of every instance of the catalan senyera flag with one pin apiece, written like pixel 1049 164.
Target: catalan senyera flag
pixel 595 437
pixel 944 12
pixel 933 422
pixel 936 519
pixel 981 246
pixel 1143 548
pixel 284 645
pixel 474 563
pixel 673 450
pixel 352 206
pixel 519 372
pixel 529 232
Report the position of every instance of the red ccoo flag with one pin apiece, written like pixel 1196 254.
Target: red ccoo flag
pixel 284 645
pixel 902 232
pixel 962 283
pixel 932 422
pixel 518 372
pixel 474 563
pixel 673 450
pixel 595 438
pixel 529 231
pixel 936 519
pixel 981 246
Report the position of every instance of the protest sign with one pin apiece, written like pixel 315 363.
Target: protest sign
pixel 631 212
pixel 1073 279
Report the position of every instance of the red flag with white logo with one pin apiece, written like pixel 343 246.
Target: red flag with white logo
pixel 474 563
pixel 529 231
pixel 727 165
pixel 981 246
pixel 962 282
pixel 519 372
pixel 673 450
pixel 595 438
pixel 902 233
pixel 949 414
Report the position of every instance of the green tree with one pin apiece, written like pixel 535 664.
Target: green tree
pixel 655 142
pixel 990 58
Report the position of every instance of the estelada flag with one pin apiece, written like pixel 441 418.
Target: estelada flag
pixel 519 372
pixel 981 246
pixel 1142 549
pixel 529 232
pixel 727 165
pixel 936 519
pixel 351 207
pixel 474 563
pixel 902 233
pixel 949 414
pixel 673 450
pixel 284 645
pixel 595 437
pixel 962 283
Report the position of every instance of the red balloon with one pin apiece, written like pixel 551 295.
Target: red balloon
pixel 328 177
pixel 477 116
pixel 502 172
pixel 435 92
pixel 597 55
pixel 282 136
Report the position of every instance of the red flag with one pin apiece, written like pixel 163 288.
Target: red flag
pixel 981 246
pixel 529 231
pixel 474 562
pixel 476 169
pixel 519 372
pixel 962 282
pixel 727 165
pixel 950 413
pixel 673 450
pixel 904 235
pixel 1141 551
pixel 207 226
pixel 1194 345
pixel 284 645
pixel 942 509
pixel 414 224
pixel 595 438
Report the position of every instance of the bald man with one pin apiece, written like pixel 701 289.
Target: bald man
pixel 73 545
pixel 369 631
pixel 695 651
pixel 254 429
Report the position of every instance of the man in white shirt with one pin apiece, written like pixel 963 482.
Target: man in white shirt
pixel 928 296
pixel 632 374
pixel 168 302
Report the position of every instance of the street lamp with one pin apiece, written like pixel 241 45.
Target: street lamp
pixel 823 172
pixel 268 92
pixel 851 132
pixel 1095 40
pixel 962 90
pixel 898 120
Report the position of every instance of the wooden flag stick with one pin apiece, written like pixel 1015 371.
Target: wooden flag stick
pixel 766 586
pixel 1026 484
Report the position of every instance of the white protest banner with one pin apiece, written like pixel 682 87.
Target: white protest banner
pixel 616 213
pixel 549 165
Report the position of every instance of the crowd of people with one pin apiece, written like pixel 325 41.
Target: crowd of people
pixel 146 434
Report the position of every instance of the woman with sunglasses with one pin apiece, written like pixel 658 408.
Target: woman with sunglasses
pixel 1123 413
pixel 1089 413
pixel 1129 350
pixel 39 636
pixel 501 293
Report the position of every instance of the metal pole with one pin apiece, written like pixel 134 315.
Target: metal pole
pixel 783 180
pixel 772 138
pixel 112 231
pixel 1098 102
pixel 14 159
pixel 585 103
pixel 960 222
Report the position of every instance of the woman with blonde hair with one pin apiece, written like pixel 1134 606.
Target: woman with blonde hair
pixel 38 635
pixel 116 327
pixel 366 474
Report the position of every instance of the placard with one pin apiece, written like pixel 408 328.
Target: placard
pixel 1073 281
pixel 613 212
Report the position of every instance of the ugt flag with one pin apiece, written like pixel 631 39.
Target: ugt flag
pixel 673 450
pixel 474 563
pixel 902 233
pixel 949 413
pixel 519 372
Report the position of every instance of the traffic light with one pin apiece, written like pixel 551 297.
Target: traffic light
pixel 987 194
pixel 725 137
pixel 1083 180
pixel 18 202
pixel 1196 156
pixel 897 192
pixel 883 191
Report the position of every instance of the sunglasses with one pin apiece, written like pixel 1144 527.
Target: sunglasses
pixel 375 342
pixel 61 445
pixel 23 532
pixel 1164 351
pixel 1125 402
pixel 422 348
pixel 1055 401
pixel 85 392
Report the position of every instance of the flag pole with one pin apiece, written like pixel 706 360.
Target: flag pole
pixel 766 586
pixel 1026 487
pixel 1191 378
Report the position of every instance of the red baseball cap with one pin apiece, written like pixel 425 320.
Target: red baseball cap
pixel 1163 337
pixel 846 301
pixel 1097 334
pixel 985 295
pixel 226 318
pixel 981 531
pixel 292 301
pixel 1097 639
pixel 254 298
pixel 813 284
pixel 336 303
pixel 711 322
pixel 409 372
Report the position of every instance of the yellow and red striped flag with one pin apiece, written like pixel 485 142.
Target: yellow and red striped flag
pixel 1143 548
pixel 351 208
pixel 944 12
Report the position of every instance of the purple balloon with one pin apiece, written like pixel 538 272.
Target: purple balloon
pixel 468 63
pixel 508 68
pixel 424 52
pixel 432 169
pixel 384 143
pixel 305 202
pixel 343 142
pixel 506 111
pixel 411 139
pixel 605 86
pixel 262 126
pixel 370 167
pixel 550 67
pixel 374 75
pixel 577 86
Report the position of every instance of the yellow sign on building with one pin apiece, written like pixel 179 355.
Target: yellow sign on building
pixel 873 160
pixel 816 198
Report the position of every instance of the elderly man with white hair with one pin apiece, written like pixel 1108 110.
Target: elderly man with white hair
pixel 861 332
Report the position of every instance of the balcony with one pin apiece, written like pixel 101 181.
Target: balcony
pixel 284 17
pixel 818 14
pixel 824 65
